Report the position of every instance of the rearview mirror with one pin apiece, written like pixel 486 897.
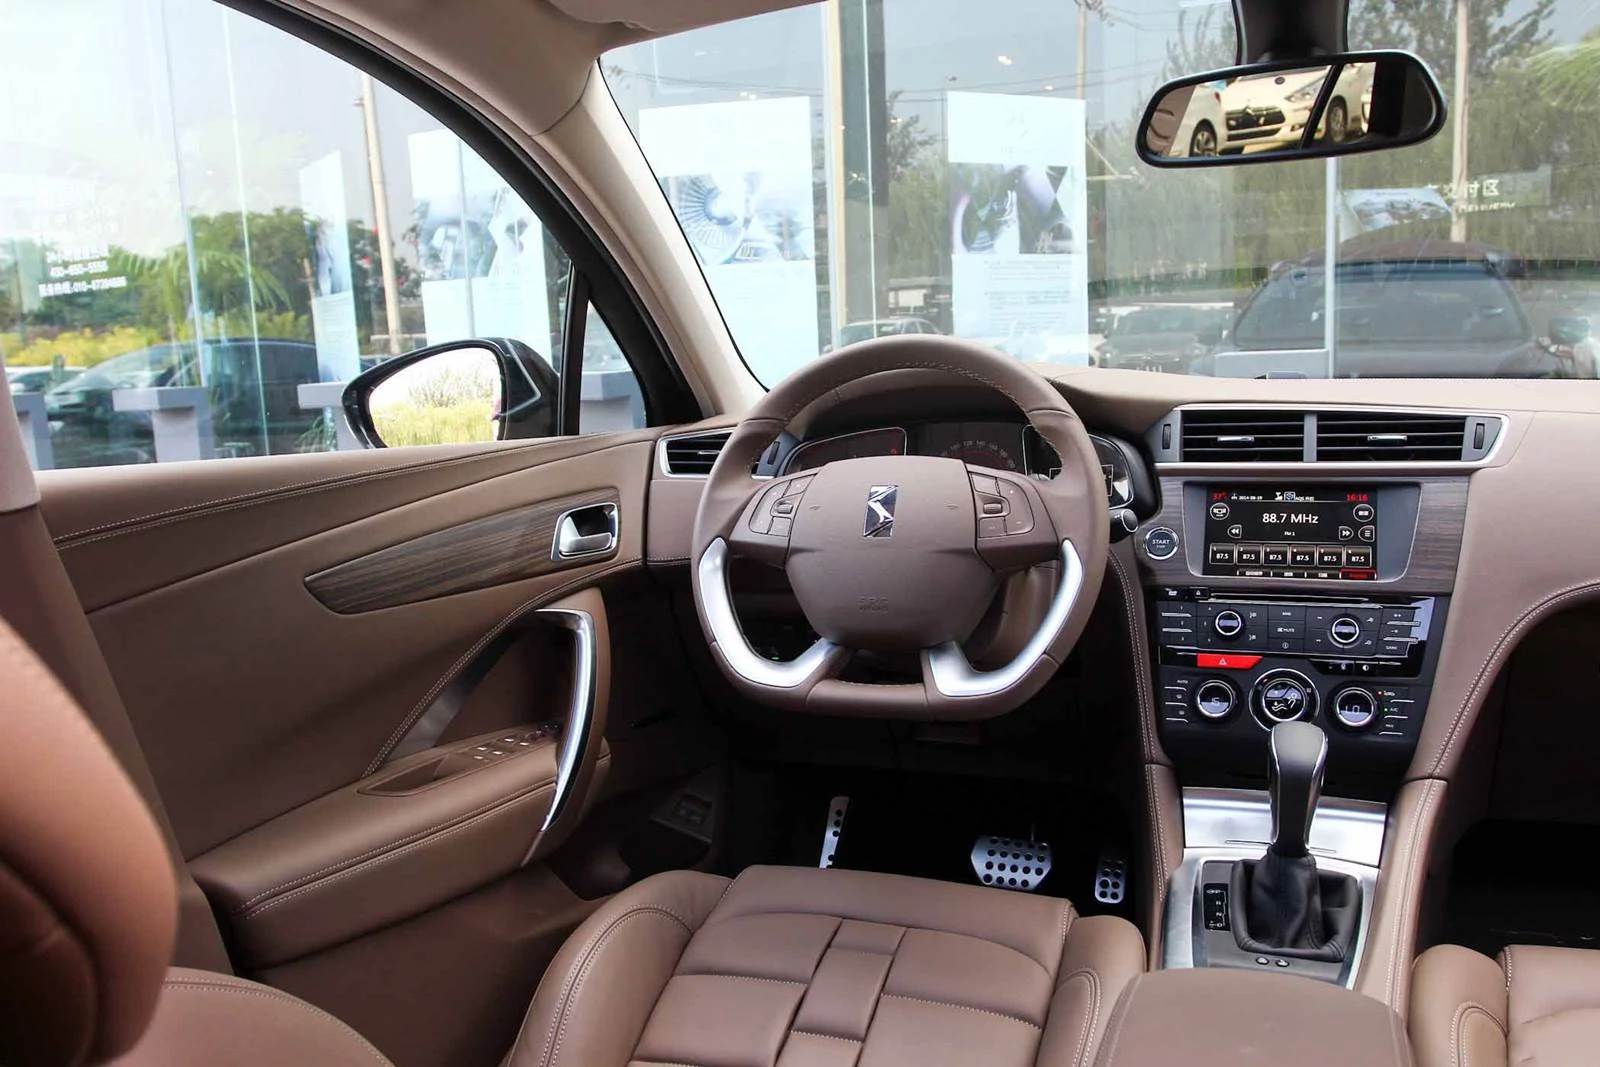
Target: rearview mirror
pixel 482 389
pixel 1352 102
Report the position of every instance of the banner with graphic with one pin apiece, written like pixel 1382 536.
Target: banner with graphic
pixel 480 249
pixel 739 177
pixel 333 302
pixel 1019 220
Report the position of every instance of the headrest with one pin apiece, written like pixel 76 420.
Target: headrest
pixel 88 901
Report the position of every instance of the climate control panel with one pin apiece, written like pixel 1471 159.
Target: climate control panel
pixel 1231 667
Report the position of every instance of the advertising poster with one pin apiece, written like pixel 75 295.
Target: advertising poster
pixel 333 301
pixel 1366 210
pixel 739 178
pixel 480 249
pixel 1019 218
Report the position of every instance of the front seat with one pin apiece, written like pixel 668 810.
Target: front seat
pixel 1531 1006
pixel 795 967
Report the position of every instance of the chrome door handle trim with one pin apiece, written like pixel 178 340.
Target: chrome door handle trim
pixel 574 744
pixel 571 544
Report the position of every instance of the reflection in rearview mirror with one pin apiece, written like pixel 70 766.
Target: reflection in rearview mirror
pixel 1348 103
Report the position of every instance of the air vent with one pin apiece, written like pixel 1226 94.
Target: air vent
pixel 1390 436
pixel 692 456
pixel 1216 436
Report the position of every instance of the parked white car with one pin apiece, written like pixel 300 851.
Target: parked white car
pixel 1269 111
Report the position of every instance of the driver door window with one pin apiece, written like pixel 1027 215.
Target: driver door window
pixel 223 252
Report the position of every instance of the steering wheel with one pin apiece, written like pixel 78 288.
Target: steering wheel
pixel 901 553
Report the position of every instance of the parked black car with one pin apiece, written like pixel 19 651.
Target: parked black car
pixel 253 389
pixel 1406 309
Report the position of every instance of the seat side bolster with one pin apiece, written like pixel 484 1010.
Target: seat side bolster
pixel 1459 1005
pixel 1101 955
pixel 599 991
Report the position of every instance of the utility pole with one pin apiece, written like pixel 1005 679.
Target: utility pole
pixel 1458 155
pixel 1084 8
pixel 380 215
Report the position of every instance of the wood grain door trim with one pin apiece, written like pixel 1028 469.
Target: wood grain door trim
pixel 495 549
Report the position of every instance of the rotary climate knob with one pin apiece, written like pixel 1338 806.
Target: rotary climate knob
pixel 1283 696
pixel 1355 708
pixel 1215 699
pixel 1228 624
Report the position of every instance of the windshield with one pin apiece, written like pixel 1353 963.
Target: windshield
pixel 840 169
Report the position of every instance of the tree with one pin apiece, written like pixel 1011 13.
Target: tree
pixel 1209 42
pixel 906 141
pixel 1428 28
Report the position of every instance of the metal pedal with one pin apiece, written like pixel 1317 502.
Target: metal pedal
pixel 1110 877
pixel 835 828
pixel 1011 862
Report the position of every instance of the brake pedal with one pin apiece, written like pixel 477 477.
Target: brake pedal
pixel 834 830
pixel 1011 862
pixel 1110 877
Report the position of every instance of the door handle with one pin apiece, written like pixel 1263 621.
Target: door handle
pixel 586 531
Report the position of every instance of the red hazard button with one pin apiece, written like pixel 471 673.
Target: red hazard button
pixel 1213 661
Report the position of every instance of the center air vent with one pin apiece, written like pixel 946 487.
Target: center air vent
pixel 1390 436
pixel 1244 436
pixel 692 456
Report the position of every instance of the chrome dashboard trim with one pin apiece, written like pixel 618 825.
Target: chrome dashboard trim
pixel 1224 825
pixel 717 603
pixel 1334 467
pixel 661 450
pixel 952 675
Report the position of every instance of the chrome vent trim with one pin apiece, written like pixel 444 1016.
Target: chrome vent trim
pixel 1243 436
pixel 690 455
pixel 1390 436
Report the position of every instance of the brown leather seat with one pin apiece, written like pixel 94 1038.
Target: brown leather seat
pixel 780 966
pixel 1531 1006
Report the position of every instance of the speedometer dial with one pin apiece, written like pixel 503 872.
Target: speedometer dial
pixel 982 453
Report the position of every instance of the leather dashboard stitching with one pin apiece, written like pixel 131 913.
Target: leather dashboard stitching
pixel 590 953
pixel 961 1007
pixel 268 993
pixel 1458 1049
pixel 1507 955
pixel 1398 950
pixel 584 580
pixel 314 875
pixel 323 883
pixel 1508 637
pixel 108 530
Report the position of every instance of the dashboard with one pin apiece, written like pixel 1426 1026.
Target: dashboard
pixel 1006 445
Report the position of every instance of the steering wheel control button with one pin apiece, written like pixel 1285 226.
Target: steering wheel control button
pixel 1215 699
pixel 1228 624
pixel 1344 631
pixel 1355 708
pixel 1283 696
pixel 1161 543
pixel 1018 515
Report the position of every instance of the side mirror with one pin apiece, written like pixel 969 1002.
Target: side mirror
pixel 1569 329
pixel 481 389
pixel 1295 109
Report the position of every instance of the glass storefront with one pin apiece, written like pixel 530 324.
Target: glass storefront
pixel 190 199
pixel 967 167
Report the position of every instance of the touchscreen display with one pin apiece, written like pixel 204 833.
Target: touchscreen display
pixel 1271 532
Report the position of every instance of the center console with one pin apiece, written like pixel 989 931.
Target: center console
pixel 1289 608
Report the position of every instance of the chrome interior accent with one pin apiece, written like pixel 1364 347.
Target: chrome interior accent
pixel 661 450
pixel 575 730
pixel 570 544
pixel 1236 824
pixel 953 676
pixel 728 636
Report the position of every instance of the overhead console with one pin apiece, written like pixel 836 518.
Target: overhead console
pixel 1286 587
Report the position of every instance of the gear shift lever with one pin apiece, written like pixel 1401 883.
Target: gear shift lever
pixel 1299 755
pixel 1281 903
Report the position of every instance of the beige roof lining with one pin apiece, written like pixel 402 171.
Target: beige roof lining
pixel 657 18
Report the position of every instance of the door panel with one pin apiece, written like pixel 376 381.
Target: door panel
pixel 249 696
